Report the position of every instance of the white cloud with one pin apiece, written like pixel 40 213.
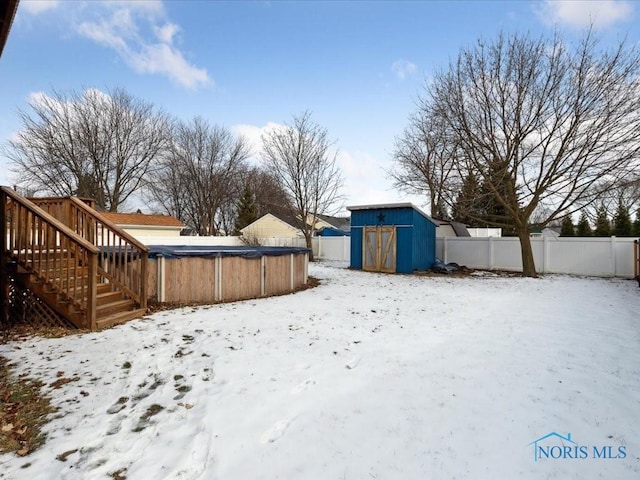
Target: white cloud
pixel 140 34
pixel 139 31
pixel 583 13
pixel 166 32
pixel 35 7
pixel 253 135
pixel 402 68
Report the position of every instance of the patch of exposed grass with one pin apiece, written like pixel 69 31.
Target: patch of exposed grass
pixel 151 411
pixel 144 418
pixel 23 412
pixel 63 381
pixel 119 474
pixel 63 456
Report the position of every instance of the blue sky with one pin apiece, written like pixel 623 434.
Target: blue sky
pixel 357 66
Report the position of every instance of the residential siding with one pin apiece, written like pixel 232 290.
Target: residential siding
pixel 270 226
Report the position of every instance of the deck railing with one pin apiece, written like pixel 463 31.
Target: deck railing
pixel 123 259
pixel 51 251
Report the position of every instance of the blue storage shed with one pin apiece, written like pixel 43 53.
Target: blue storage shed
pixel 395 238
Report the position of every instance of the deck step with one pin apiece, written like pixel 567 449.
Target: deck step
pixel 108 297
pixel 104 288
pixel 121 317
pixel 114 307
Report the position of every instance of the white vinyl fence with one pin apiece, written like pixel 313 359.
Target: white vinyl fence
pixel 597 256
pixel 600 257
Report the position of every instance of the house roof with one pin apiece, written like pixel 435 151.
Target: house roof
pixel 8 10
pixel 142 219
pixel 341 223
pixel 288 220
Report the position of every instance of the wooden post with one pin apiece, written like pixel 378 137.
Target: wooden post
pixel 263 275
pixel 160 266
pixel 4 280
pixel 91 291
pixel 144 265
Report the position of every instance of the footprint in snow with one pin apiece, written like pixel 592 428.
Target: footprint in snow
pixel 303 386
pixel 275 432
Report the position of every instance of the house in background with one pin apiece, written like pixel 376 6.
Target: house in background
pixel 551 232
pixel 328 226
pixel 274 226
pixel 143 225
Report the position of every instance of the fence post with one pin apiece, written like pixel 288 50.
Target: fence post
pixel 545 259
pixel 319 247
pixel 444 250
pixel 160 278
pixel 490 243
pixel 291 274
pixel 263 275
pixel 614 269
pixel 346 249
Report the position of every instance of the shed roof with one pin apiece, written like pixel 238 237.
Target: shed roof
pixel 143 219
pixel 391 206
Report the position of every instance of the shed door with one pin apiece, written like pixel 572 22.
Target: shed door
pixel 379 252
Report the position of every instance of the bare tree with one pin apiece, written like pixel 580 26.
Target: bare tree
pixel 546 127
pixel 299 156
pixel 424 162
pixel 91 144
pixel 200 179
pixel 270 197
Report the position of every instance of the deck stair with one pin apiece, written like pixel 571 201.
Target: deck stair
pixel 85 268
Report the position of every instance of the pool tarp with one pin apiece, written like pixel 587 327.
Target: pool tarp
pixel 177 251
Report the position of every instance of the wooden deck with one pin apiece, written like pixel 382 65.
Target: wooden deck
pixel 83 267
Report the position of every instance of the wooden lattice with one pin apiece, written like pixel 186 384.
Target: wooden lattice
pixel 25 309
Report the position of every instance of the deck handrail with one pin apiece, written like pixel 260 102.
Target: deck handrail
pixel 50 250
pixel 123 259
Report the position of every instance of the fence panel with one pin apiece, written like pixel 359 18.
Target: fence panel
pixel 602 257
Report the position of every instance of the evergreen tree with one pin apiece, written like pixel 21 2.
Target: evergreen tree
pixel 466 209
pixel 603 226
pixel 247 211
pixel 567 229
pixel 584 229
pixel 499 183
pixel 622 221
pixel 635 231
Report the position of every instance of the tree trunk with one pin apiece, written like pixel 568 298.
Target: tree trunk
pixel 307 238
pixel 528 265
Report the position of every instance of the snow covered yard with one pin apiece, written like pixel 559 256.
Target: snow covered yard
pixel 365 377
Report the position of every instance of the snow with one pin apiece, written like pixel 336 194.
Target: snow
pixel 368 376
